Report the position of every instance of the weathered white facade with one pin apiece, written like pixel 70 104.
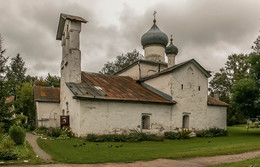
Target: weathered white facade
pixel 49 115
pixel 147 96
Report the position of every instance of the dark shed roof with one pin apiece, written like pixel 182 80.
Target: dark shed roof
pixel 46 94
pixel 110 87
pixel 215 102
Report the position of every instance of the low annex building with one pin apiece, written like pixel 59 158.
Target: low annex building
pixel 149 95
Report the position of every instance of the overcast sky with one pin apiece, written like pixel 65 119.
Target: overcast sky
pixel 206 30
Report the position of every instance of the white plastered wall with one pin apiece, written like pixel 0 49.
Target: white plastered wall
pixel 104 117
pixel 188 86
pixel 145 69
pixel 72 109
pixel 47 114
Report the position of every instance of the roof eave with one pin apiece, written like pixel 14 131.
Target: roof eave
pixel 218 105
pixel 122 100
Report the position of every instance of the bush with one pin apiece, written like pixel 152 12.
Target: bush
pixel 183 134
pixel 6 142
pixel 212 132
pixel 132 137
pixel 8 154
pixel 54 132
pixel 17 134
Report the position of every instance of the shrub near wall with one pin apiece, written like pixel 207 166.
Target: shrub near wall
pixel 183 134
pixel 132 137
pixel 212 132
pixel 17 134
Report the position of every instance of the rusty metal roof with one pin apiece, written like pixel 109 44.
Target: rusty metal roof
pixel 215 102
pixel 46 94
pixel 111 87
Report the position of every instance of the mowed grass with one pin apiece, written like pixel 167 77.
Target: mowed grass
pixel 239 140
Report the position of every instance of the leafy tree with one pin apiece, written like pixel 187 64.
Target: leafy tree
pixel 121 62
pixel 31 79
pixel 256 47
pixel 40 82
pixel 236 68
pixel 24 102
pixel 53 80
pixel 16 74
pixel 244 97
pixel 5 114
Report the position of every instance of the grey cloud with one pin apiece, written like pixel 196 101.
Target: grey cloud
pixel 205 30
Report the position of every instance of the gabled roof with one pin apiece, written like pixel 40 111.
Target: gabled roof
pixel 110 87
pixel 141 61
pixel 46 94
pixel 215 102
pixel 177 66
pixel 62 20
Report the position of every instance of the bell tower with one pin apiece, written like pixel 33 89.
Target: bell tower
pixel 69 33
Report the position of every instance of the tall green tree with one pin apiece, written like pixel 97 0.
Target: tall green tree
pixel 246 92
pixel 31 79
pixel 16 73
pixel 24 102
pixel 40 82
pixel 256 46
pixel 236 68
pixel 5 114
pixel 53 80
pixel 121 62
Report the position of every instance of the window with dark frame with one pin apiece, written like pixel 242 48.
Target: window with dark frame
pixel 145 122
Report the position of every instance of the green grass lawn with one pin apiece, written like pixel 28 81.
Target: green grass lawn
pixel 25 153
pixel 238 141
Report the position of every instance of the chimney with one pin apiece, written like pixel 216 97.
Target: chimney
pixel 216 96
pixel 68 32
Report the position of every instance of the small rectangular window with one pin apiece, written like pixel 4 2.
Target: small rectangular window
pixel 199 88
pixel 182 86
pixel 145 122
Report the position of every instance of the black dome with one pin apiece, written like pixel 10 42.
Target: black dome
pixel 154 36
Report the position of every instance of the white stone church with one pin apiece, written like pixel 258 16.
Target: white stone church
pixel 149 95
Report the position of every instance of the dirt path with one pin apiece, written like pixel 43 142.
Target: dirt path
pixel 193 162
pixel 32 139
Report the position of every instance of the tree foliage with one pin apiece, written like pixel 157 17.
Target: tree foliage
pixel 4 113
pixel 16 74
pixel 121 62
pixel 256 46
pixel 236 68
pixel 52 80
pixel 24 103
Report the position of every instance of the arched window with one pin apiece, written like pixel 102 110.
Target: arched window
pixel 185 121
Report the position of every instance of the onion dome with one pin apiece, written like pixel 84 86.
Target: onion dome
pixel 154 36
pixel 171 49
